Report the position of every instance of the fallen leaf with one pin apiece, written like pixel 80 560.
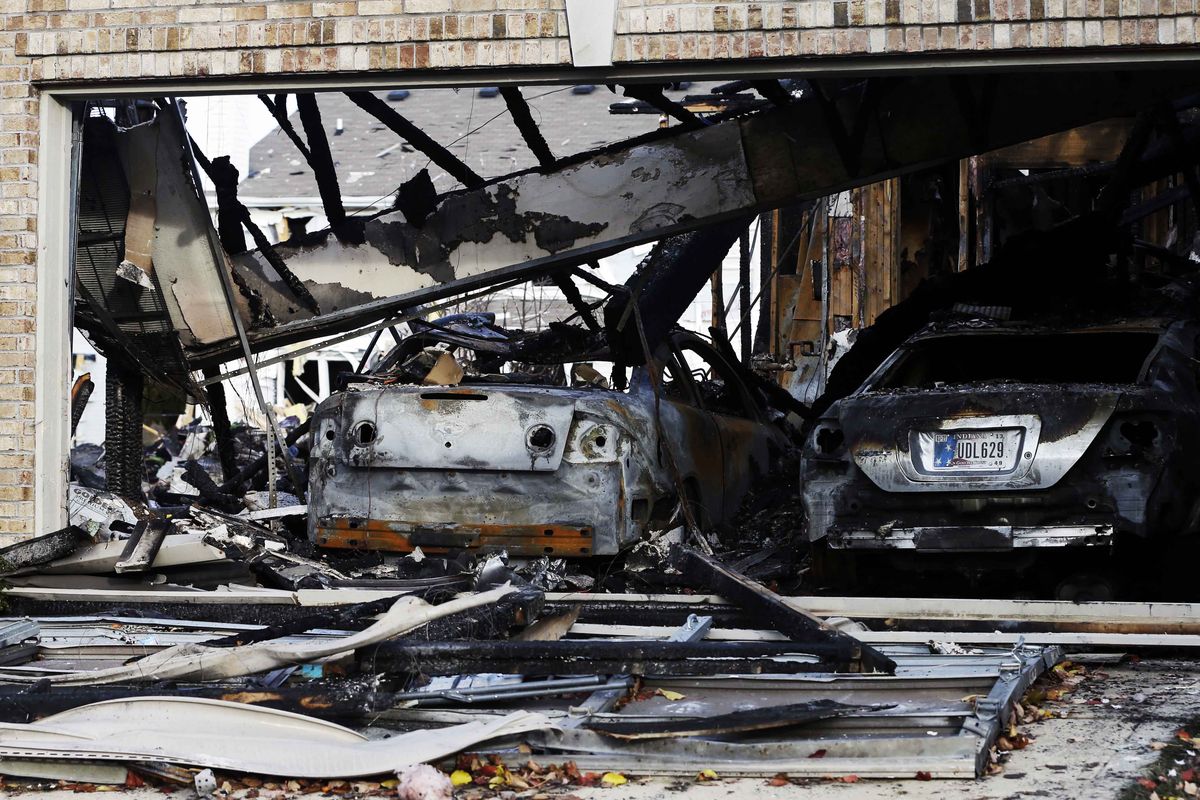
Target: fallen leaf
pixel 458 778
pixel 613 779
pixel 780 779
pixel 1158 745
pixel 817 754
pixel 1189 788
pixel 133 780
pixel 924 776
pixel 707 775
pixel 1182 734
pixel 668 694
pixel 1146 783
pixel 849 779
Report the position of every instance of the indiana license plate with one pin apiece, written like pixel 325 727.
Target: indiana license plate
pixel 992 450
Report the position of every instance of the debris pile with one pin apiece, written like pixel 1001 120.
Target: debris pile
pixel 298 674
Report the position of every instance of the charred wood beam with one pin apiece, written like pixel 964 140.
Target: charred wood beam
pixel 321 159
pixel 219 411
pixel 495 621
pixel 665 284
pixel 609 657
pixel 773 91
pixel 231 214
pixel 975 111
pixel 705 573
pixel 278 109
pixel 571 293
pixel 1066 173
pixel 449 162
pixel 850 141
pixel 1156 203
pixel 1115 194
pixel 268 252
pixel 717 290
pixel 40 549
pixel 653 95
pixel 324 700
pixel 1176 263
pixel 123 454
pixel 744 294
pixel 519 108
pixel 768 265
pixel 594 280
pixel 230 210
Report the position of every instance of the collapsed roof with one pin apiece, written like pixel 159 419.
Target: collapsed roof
pixel 810 140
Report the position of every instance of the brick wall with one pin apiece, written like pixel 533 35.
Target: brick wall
pixel 667 30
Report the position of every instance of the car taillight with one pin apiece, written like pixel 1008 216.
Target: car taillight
pixel 828 441
pixel 1131 436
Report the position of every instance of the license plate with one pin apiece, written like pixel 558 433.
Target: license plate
pixel 991 450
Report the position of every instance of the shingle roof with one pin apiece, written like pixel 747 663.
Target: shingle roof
pixel 372 161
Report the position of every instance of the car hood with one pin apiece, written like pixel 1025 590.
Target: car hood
pixel 1045 431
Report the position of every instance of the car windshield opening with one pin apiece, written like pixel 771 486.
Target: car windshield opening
pixel 1114 357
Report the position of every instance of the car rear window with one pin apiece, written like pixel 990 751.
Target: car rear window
pixel 1044 358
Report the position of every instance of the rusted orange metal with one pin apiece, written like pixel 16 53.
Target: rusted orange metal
pixel 402 537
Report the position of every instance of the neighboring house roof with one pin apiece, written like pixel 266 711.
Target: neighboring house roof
pixel 372 161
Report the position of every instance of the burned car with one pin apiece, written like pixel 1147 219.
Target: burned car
pixel 497 454
pixel 989 436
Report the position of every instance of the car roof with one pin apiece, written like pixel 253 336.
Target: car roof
pixel 982 325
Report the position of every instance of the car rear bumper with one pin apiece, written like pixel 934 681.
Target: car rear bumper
pixel 977 538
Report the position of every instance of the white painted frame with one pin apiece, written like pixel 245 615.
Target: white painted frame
pixel 52 365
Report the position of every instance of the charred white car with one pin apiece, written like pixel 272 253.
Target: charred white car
pixel 495 463
pixel 986 436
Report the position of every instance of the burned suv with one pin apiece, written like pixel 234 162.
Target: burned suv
pixel 980 435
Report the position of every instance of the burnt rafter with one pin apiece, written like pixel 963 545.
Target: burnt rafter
pixel 523 117
pixel 278 109
pixel 849 142
pixel 773 91
pixel 321 159
pixel 417 138
pixel 571 293
pixel 649 93
pixel 231 210
pixel 976 111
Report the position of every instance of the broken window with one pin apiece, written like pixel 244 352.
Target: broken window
pixel 1042 358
